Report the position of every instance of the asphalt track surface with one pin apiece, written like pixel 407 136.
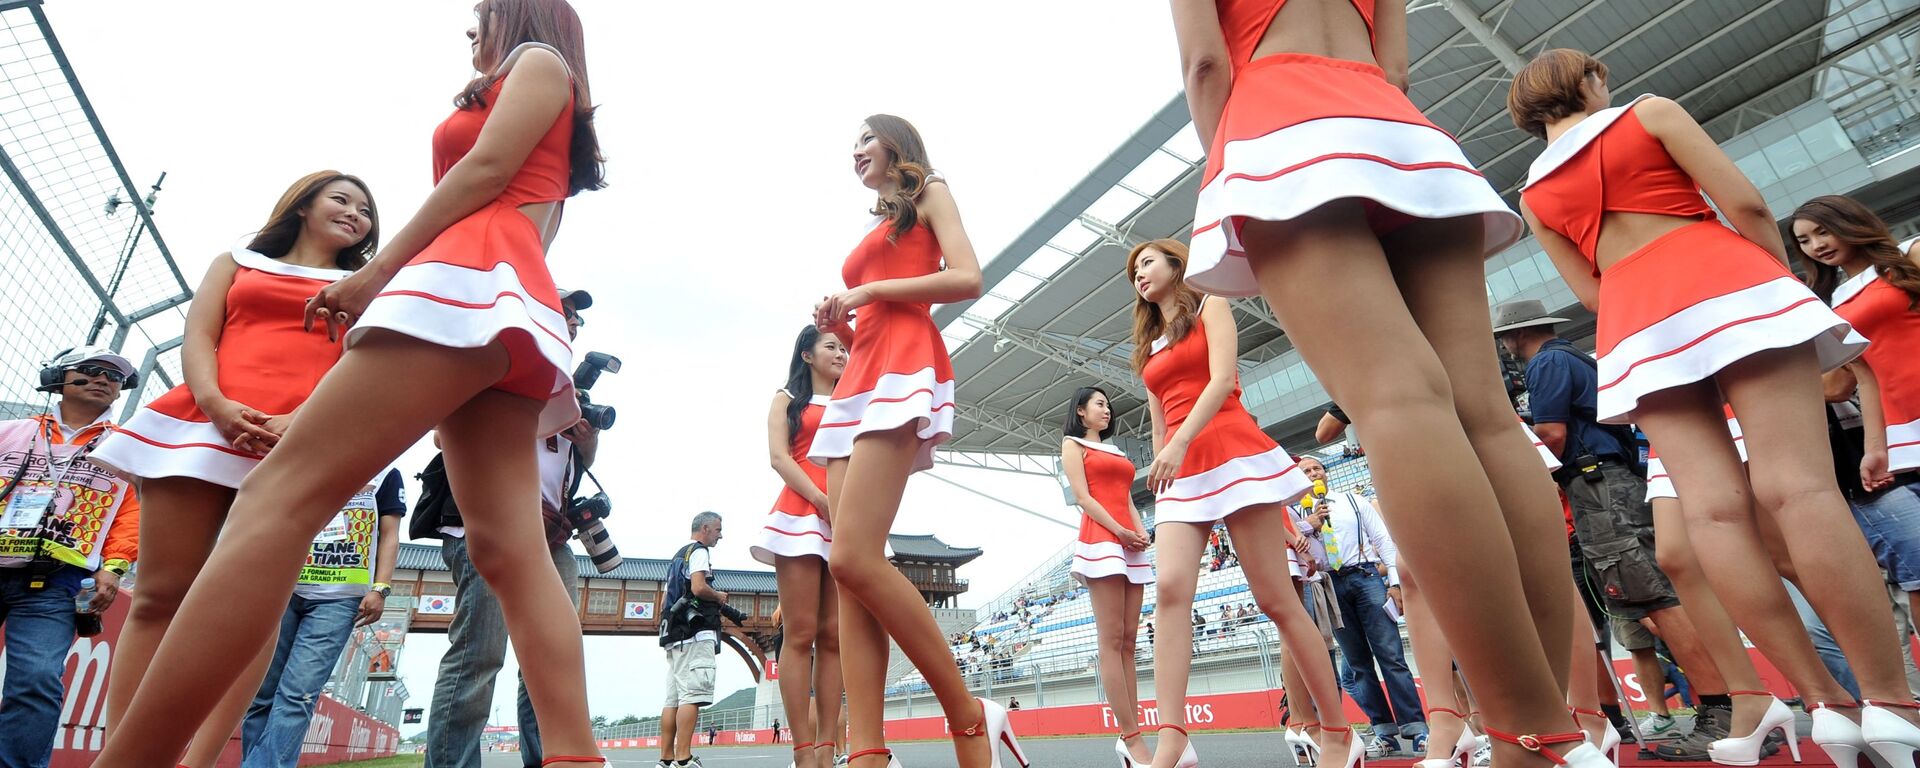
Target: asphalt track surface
pixel 1221 750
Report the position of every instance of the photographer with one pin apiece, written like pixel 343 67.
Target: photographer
pixel 477 636
pixel 48 543
pixel 690 632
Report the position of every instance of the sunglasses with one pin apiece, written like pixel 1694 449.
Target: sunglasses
pixel 94 371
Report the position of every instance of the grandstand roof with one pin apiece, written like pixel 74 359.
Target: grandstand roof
pixel 1056 314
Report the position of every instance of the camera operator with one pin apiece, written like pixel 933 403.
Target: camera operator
pixel 49 543
pixel 690 632
pixel 477 636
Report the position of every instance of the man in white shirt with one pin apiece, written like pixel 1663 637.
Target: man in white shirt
pixel 690 631
pixel 1361 560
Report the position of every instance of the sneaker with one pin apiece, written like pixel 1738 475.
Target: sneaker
pixel 1420 744
pixel 1483 753
pixel 1656 727
pixel 1382 745
pixel 840 760
pixel 693 761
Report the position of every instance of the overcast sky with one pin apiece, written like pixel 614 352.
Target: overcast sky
pixel 728 130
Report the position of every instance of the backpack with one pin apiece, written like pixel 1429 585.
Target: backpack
pixel 434 509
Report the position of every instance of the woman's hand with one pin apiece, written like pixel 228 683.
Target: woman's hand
pixel 1873 470
pixel 341 303
pixel 1166 465
pixel 237 422
pixel 275 424
pixel 1135 541
pixel 835 312
pixel 819 502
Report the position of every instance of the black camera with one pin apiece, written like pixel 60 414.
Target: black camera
pixel 735 615
pixel 584 377
pixel 586 514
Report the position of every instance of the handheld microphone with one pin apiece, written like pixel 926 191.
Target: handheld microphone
pixel 1320 489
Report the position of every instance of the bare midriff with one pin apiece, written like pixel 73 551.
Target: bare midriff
pixel 1329 28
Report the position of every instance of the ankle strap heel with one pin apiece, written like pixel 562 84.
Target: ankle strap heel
pixel 1541 743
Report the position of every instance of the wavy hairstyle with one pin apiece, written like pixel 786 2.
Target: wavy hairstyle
pixel 276 238
pixel 800 380
pixel 1075 427
pixel 1148 324
pixel 908 169
pixel 505 25
pixel 1548 89
pixel 1857 226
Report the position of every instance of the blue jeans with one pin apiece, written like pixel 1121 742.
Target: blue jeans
pixel 1891 522
pixel 39 632
pixel 476 649
pixel 1823 644
pixel 1366 636
pixel 312 635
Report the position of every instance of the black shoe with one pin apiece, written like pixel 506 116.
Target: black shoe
pixel 1708 726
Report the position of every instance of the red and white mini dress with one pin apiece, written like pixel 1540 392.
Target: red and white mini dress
pixel 898 373
pixel 1691 302
pixel 794 527
pixel 1098 554
pixel 1300 131
pixel 1880 310
pixel 485 277
pixel 1231 464
pixel 1660 485
pixel 266 362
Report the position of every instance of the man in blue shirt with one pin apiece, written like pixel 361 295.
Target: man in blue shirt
pixel 1612 549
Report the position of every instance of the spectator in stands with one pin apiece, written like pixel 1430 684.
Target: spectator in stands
pixel 1013 704
pixel 344 585
pixel 1363 563
pixel 48 543
pixel 477 634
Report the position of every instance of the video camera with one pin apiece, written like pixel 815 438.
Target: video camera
pixel 584 377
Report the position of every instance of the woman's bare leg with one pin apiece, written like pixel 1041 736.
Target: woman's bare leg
pixel 352 427
pixel 799 580
pixel 1688 425
pixel 864 505
pixel 829 724
pixel 1177 548
pixel 1264 528
pixel 1435 659
pixel 1441 273
pixel 1778 396
pixel 1719 638
pixel 1116 618
pixel 1313 272
pixel 492 467
pixel 221 725
pixel 181 521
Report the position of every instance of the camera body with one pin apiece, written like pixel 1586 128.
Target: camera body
pixel 585 375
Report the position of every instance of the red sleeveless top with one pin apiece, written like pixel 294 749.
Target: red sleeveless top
pixel 1617 166
pixel 1245 22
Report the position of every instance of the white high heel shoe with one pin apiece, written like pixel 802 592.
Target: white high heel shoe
pixel 1586 755
pixel 1462 747
pixel 1890 735
pixel 999 732
pixel 1748 749
pixel 1839 737
pixel 1356 748
pixel 1609 744
pixel 1188 757
pixel 1126 755
pixel 1297 741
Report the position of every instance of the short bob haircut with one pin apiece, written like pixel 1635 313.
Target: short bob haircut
pixel 1548 89
pixel 1077 428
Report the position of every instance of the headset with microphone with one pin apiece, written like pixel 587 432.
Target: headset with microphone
pixel 53 373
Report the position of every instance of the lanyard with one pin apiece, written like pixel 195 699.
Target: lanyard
pixel 53 477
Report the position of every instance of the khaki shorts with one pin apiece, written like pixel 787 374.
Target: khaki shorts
pixel 690 674
pixel 1632 635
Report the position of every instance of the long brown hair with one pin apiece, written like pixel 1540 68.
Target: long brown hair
pixel 907 168
pixel 506 24
pixel 1548 88
pixel 1148 325
pixel 1857 226
pixel 276 238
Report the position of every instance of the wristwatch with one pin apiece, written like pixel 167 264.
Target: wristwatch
pixel 383 589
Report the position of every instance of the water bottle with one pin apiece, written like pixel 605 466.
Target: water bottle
pixel 85 621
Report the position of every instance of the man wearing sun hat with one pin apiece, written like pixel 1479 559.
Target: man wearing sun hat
pixel 62 519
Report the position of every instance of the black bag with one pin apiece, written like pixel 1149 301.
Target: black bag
pixel 434 510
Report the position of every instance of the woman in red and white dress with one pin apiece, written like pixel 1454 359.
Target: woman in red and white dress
pixel 248 365
pixel 454 325
pixel 1366 228
pixel 796 540
pixel 1211 463
pixel 891 408
pixel 1692 317
pixel 1111 556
